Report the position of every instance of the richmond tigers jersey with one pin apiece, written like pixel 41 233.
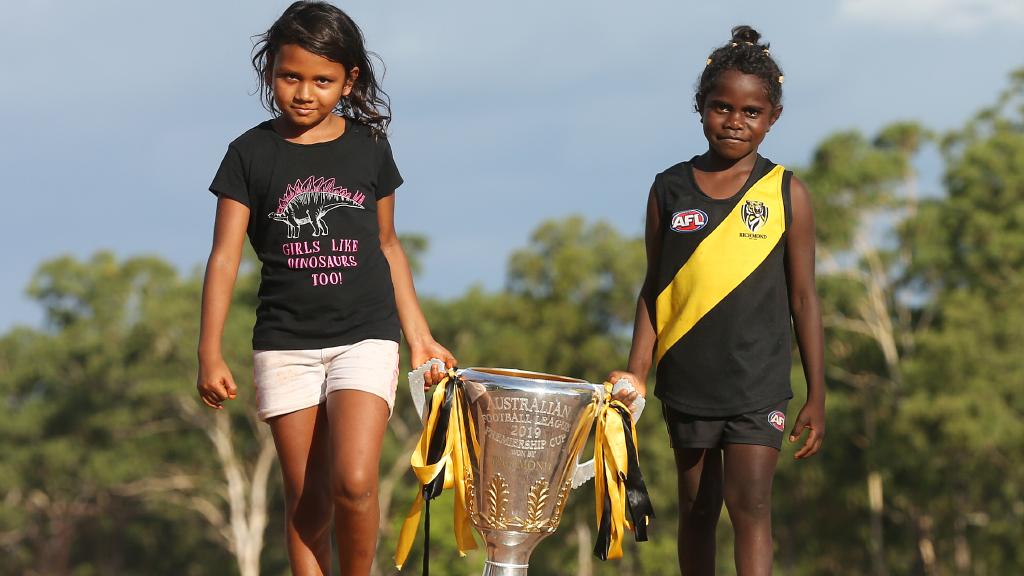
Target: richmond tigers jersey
pixel 722 308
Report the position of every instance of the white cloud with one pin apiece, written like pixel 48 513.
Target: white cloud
pixel 939 15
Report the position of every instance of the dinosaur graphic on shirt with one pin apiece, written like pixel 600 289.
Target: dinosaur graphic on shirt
pixel 308 201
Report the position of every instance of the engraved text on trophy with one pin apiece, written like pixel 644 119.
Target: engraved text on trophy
pixel 532 432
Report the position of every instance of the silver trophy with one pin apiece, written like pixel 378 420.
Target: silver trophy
pixel 520 437
pixel 527 430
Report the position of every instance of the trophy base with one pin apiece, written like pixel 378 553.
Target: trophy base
pixel 502 569
pixel 508 553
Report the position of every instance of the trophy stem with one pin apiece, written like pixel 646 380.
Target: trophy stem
pixel 509 560
pixel 499 569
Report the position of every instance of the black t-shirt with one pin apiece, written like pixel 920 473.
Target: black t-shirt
pixel 313 224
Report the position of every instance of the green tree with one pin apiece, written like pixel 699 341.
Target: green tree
pixel 964 407
pixel 102 471
pixel 861 190
pixel 108 465
pixel 922 311
pixel 91 418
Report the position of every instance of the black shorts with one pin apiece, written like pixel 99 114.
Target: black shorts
pixel 763 427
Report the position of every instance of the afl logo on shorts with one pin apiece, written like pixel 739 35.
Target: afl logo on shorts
pixel 689 220
pixel 777 420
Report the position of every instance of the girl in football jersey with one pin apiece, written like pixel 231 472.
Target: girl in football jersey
pixel 314 190
pixel 730 252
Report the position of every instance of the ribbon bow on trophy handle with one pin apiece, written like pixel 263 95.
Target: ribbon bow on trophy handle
pixel 439 461
pixel 585 471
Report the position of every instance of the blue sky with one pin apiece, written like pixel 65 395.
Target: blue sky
pixel 116 113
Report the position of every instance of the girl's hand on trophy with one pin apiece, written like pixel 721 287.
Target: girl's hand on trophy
pixel 627 396
pixel 423 353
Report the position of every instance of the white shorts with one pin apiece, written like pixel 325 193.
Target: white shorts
pixel 290 380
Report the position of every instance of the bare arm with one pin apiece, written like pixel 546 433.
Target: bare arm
pixel 806 312
pixel 215 383
pixel 414 325
pixel 641 353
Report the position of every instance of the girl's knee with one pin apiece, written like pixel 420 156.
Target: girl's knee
pixel 354 490
pixel 754 504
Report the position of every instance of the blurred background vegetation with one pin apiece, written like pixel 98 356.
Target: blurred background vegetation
pixel 108 465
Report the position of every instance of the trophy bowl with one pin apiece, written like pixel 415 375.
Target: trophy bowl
pixel 526 431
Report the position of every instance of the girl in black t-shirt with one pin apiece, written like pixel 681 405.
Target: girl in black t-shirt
pixel 313 189
pixel 730 268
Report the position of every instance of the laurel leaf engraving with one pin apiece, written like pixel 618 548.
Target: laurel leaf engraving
pixel 535 505
pixel 556 514
pixel 497 502
pixel 470 494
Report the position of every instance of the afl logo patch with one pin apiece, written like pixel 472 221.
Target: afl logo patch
pixel 778 420
pixel 754 214
pixel 689 220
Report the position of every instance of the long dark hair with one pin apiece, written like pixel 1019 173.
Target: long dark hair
pixel 325 30
pixel 745 53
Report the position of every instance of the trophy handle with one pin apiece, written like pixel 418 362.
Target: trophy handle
pixel 585 471
pixel 416 381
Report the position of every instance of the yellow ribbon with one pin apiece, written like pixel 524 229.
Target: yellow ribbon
pixel 611 474
pixel 453 461
pixel 614 460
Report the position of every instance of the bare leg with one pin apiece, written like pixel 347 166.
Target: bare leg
pixel 302 446
pixel 700 505
pixel 749 470
pixel 358 421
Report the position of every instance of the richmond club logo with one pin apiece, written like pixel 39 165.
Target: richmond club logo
pixel 777 420
pixel 689 220
pixel 754 214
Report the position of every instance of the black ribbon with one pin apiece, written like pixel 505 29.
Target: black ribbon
pixel 604 530
pixel 434 488
pixel 638 501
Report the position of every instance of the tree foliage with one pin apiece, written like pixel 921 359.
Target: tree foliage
pixel 108 466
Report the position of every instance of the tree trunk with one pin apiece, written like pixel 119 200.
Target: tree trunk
pixel 876 502
pixel 961 546
pixel 926 546
pixel 55 554
pixel 585 564
pixel 246 493
pixel 55 538
pixel 245 490
pixel 876 495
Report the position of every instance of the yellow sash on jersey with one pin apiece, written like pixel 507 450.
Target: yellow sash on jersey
pixel 729 254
